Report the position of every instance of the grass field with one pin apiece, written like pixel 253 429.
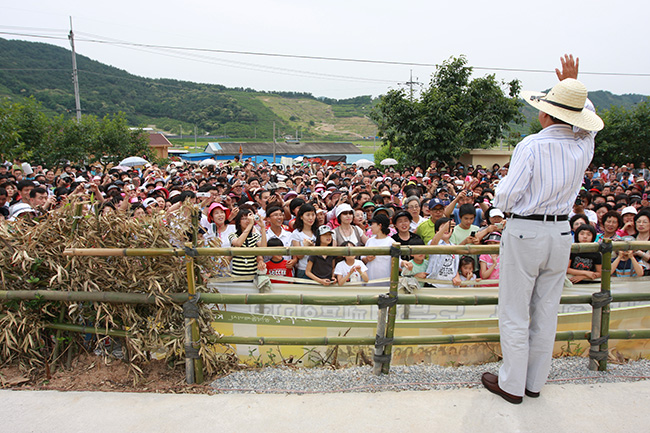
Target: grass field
pixel 316 118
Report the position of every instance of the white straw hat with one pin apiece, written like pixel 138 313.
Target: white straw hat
pixel 566 101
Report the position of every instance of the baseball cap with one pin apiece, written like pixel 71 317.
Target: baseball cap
pixel 344 207
pixel 435 202
pixel 629 209
pixel 494 212
pixel 324 229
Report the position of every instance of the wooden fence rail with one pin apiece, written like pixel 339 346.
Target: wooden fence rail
pixel 385 340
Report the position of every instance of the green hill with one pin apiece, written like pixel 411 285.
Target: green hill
pixel 43 71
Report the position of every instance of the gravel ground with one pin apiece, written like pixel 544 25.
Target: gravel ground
pixel 284 380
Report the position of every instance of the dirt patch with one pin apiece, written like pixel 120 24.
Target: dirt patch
pixel 97 373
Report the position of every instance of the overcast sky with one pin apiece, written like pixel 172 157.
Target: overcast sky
pixel 609 37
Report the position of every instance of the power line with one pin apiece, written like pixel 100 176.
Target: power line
pixel 338 59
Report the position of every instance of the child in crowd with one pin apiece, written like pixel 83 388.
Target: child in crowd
pixel 584 266
pixel 466 268
pixel 465 232
pixel 277 265
pixel 443 266
pixel 350 268
pixel 625 264
pixel 321 268
pixel 418 264
pixel 489 263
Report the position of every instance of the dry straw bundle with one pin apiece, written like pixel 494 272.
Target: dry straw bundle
pixel 31 258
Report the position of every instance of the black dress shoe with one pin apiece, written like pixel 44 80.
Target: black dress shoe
pixel 532 394
pixel 491 382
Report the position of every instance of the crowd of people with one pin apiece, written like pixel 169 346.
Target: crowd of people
pixel 247 205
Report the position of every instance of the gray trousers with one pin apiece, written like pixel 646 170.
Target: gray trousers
pixel 533 261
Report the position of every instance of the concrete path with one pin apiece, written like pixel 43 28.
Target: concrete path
pixel 618 407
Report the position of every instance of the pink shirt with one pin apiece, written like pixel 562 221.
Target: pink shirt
pixel 487 258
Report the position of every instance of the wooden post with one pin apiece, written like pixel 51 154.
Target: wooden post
pixel 189 362
pixel 392 312
pixel 57 344
pixel 600 316
pixel 381 332
pixel 605 288
pixel 192 334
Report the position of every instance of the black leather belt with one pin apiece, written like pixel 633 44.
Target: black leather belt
pixel 552 218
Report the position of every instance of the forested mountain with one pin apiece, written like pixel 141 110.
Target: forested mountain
pixel 43 71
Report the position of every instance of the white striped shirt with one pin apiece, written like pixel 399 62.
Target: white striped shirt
pixel 546 172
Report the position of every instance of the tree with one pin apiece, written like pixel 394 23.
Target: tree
pixel 453 115
pixel 117 141
pixel 626 136
pixel 28 134
pixel 66 140
pixel 22 128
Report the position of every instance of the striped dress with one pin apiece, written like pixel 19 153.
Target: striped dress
pixel 245 266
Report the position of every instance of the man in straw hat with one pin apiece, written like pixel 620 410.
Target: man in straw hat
pixel 539 190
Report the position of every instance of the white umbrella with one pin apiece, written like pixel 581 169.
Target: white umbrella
pixel 207 162
pixel 133 161
pixel 365 163
pixel 299 159
pixel 388 161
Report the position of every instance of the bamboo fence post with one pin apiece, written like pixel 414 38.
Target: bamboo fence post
pixel 606 289
pixel 192 335
pixel 196 335
pixel 595 334
pixel 57 344
pixel 189 362
pixel 392 312
pixel 600 302
pixel 381 333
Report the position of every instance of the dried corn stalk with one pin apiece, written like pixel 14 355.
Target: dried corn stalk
pixel 31 258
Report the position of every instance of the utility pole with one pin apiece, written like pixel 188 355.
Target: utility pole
pixel 274 142
pixel 75 74
pixel 181 129
pixel 195 137
pixel 410 83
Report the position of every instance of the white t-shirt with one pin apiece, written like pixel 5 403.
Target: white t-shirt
pixel 342 268
pixel 284 236
pixel 380 267
pixel 223 236
pixel 414 225
pixel 443 266
pixel 299 236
